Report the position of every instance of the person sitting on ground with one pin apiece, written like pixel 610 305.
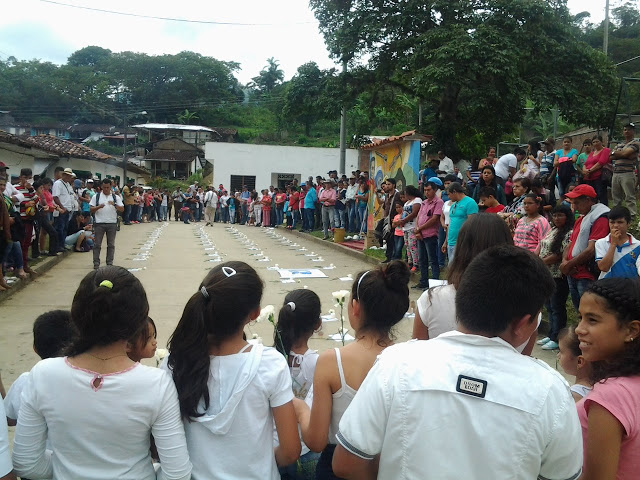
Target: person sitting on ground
pixel 476 382
pixel 79 232
pixel 488 200
pixel 618 254
pixel 52 333
pixel 97 407
pixel 379 300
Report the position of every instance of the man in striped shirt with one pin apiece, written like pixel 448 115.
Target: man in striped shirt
pixel 625 160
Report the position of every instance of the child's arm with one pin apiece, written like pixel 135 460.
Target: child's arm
pixel 288 451
pixel 314 422
pixel 603 444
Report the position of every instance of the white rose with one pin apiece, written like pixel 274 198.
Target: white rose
pixel 266 312
pixel 341 295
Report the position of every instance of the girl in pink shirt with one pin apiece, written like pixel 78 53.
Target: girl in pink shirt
pixel 609 335
pixel 533 227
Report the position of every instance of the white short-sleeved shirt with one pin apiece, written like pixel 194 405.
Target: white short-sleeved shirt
pixel 626 259
pixel 5 455
pixel 504 163
pixel 490 412
pixel 234 437
pixel 446 211
pixel 99 432
pixel 64 192
pixel 108 214
pixel 408 209
pixel 11 191
pixel 14 396
pixel 438 313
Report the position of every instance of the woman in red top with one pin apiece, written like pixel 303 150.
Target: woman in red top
pixel 294 203
pixel 266 208
pixel 597 159
pixel 280 198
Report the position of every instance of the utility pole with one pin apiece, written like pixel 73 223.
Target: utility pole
pixel 605 41
pixel 343 130
pixel 124 153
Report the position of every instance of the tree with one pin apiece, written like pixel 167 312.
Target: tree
pixel 473 64
pixel 269 77
pixel 186 117
pixel 305 95
pixel 91 56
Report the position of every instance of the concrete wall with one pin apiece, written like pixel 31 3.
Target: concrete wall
pixel 265 162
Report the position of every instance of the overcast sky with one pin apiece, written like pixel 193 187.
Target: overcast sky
pixel 283 29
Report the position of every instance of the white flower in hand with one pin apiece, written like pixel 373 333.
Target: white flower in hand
pixel 266 312
pixel 341 296
pixel 160 354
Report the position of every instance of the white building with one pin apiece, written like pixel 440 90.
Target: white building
pixel 259 166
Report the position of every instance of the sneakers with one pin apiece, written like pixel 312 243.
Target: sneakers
pixel 543 341
pixel 550 345
pixel 414 269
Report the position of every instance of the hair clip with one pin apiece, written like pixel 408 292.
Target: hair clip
pixel 292 305
pixel 359 282
pixel 107 284
pixel 203 291
pixel 228 271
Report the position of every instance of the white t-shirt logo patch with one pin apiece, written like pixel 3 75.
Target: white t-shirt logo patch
pixel 471 386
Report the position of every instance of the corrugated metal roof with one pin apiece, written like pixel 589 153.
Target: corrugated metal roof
pixel 174 126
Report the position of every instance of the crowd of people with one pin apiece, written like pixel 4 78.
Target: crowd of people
pixel 220 406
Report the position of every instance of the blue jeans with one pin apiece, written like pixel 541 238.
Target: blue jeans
pixel 441 236
pixel 225 214
pixel 339 218
pixel 427 254
pixel 279 216
pixel 307 221
pixel 398 243
pixel 557 308
pixel 577 287
pixel 352 216
pixel 163 213
pixel 296 218
pixel 61 224
pixel 362 218
pixel 450 251
pixel 232 215
pixel 245 213
pixel 13 256
pixel 127 213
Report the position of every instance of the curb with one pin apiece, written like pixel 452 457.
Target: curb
pixel 43 266
pixel 335 246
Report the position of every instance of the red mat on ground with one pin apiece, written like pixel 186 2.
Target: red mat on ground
pixel 354 245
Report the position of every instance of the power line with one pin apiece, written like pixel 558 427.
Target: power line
pixel 170 19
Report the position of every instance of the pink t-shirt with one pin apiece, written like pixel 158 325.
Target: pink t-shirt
pixel 529 234
pixel 428 209
pixel 621 397
pixel 601 157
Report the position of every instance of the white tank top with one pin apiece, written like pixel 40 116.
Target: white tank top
pixel 341 400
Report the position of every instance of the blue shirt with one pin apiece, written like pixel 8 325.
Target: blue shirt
pixel 458 214
pixel 310 198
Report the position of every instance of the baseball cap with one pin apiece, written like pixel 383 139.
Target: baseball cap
pixel 3 165
pixel 68 171
pixel 435 180
pixel 582 191
pixel 89 180
pixel 303 184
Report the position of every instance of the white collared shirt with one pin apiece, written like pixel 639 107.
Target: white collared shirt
pixel 351 191
pixel 64 192
pixel 464 406
pixel 626 259
pixel 108 214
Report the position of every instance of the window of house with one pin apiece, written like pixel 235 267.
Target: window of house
pixel 237 181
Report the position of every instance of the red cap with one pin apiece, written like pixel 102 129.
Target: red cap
pixel 3 165
pixel 582 191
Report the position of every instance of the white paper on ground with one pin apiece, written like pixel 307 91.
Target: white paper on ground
pixel 338 338
pixel 346 279
pixel 301 273
pixel 328 318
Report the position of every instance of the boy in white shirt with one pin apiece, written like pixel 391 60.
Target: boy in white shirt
pixel 618 254
pixel 466 404
pixel 105 207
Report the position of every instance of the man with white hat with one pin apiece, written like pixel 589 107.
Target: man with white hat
pixel 63 197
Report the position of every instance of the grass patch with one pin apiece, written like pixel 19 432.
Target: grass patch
pixel 376 253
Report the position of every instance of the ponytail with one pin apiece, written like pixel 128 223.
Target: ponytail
pixel 297 319
pixel 220 308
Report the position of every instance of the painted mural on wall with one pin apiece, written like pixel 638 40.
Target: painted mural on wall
pixel 399 160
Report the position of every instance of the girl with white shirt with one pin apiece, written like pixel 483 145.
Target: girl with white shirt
pixel 96 407
pixel 379 300
pixel 231 392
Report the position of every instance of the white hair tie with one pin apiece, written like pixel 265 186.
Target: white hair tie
pixel 359 282
pixel 292 305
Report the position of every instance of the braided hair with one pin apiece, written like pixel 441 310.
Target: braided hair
pixel 622 298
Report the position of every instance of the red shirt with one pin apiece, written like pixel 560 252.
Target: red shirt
pixel 303 194
pixel 280 199
pixel 497 209
pixel 266 202
pixel 294 201
pixel 599 229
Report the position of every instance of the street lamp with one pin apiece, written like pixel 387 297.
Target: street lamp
pixel 124 147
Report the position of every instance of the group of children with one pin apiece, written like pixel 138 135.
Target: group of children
pixel 222 407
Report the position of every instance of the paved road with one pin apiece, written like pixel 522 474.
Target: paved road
pixel 171 260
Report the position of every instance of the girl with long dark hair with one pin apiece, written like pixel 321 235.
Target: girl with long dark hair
pixel 230 391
